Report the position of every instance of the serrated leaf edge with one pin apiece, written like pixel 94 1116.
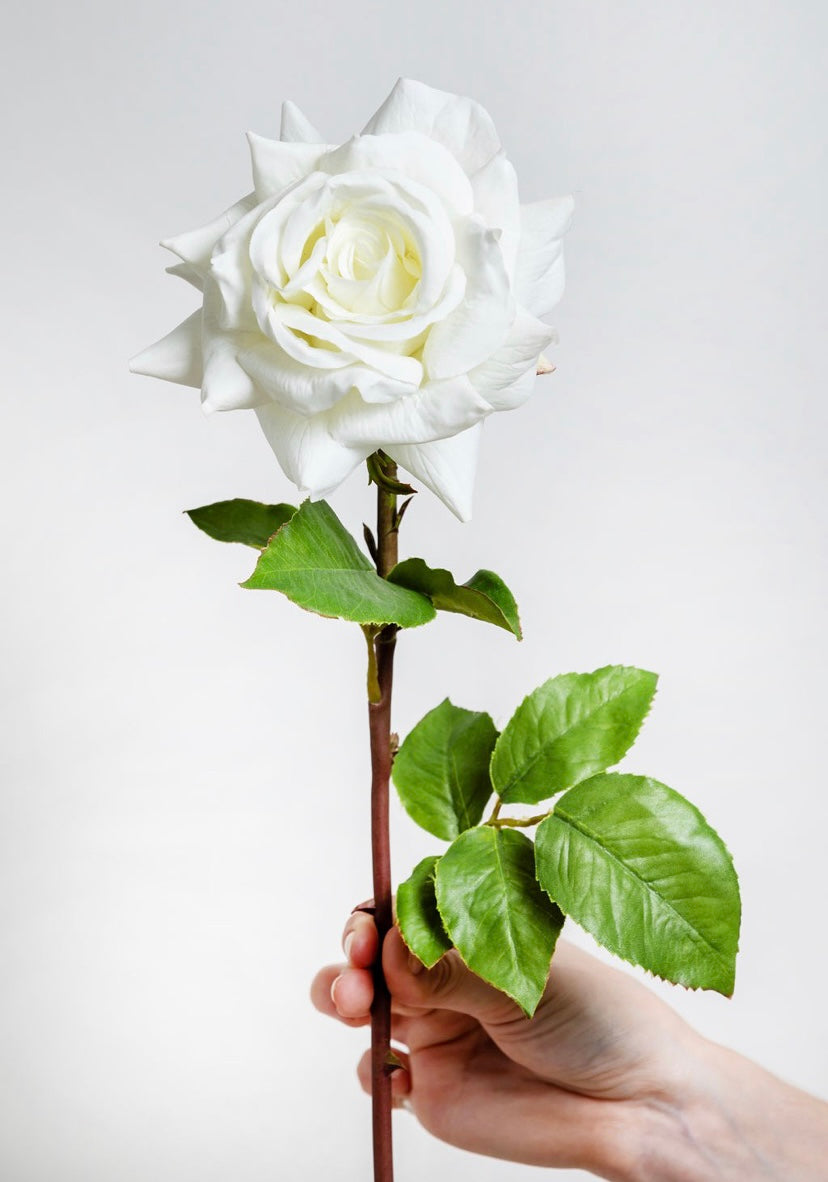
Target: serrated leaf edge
pixel 644 717
pixel 610 945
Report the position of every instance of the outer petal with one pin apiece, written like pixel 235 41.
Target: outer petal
pixel 309 457
pixel 296 128
pixel 436 411
pixel 496 199
pixel 277 164
pixel 539 276
pixel 507 377
pixel 446 466
pixel 480 323
pixel 225 386
pixel 416 155
pixel 460 124
pixel 176 357
pixel 308 391
pixel 188 273
pixel 195 246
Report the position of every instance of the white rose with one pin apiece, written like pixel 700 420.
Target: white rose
pixel 385 293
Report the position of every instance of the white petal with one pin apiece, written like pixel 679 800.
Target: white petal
pixel 460 124
pixel 196 246
pixel 496 199
pixel 176 357
pixel 436 411
pixel 518 356
pixel 308 456
pixel 446 466
pixel 539 276
pixel 225 386
pixel 418 156
pixel 286 320
pixel 188 273
pixel 277 164
pixel 296 127
pixel 308 391
pixel 480 323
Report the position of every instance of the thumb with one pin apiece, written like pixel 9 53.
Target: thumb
pixel 450 985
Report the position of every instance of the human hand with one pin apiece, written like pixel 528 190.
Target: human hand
pixel 604 1077
pixel 479 1074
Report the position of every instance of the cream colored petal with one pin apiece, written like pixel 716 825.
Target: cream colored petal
pixel 296 127
pixel 446 466
pixel 460 124
pixel 176 357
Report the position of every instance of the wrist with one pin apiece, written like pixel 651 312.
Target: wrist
pixel 723 1118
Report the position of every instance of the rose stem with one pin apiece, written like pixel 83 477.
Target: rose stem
pixel 379 720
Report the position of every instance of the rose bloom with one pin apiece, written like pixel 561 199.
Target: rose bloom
pixel 383 293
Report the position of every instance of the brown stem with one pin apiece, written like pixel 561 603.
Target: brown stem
pixel 379 721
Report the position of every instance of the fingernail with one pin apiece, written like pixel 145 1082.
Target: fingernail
pixel 415 965
pixel 334 984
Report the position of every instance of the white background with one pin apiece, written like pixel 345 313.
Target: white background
pixel 184 804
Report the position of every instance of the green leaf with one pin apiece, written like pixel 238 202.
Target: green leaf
pixel 483 597
pixel 568 729
pixel 441 771
pixel 417 914
pixel 496 915
pixel 315 562
pixel 248 522
pixel 638 866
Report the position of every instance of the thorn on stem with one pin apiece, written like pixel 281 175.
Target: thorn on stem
pixel 370 542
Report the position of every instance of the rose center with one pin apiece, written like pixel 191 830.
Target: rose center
pixel 371 264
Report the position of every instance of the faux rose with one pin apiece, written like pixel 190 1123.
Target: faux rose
pixel 384 293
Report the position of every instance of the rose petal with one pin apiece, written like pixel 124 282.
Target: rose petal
pixel 478 326
pixel 196 246
pixel 176 357
pixel 285 320
pixel 496 378
pixel 308 391
pixel 435 411
pixel 225 385
pixel 308 456
pixel 539 275
pixel 460 124
pixel 446 466
pixel 296 127
pixel 496 199
pixel 278 164
pixel 418 156
pixel 188 273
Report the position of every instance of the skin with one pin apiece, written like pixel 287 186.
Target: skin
pixel 605 1077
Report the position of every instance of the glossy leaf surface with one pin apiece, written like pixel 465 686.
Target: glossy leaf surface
pixel 441 771
pixel 417 914
pixel 483 597
pixel 503 925
pixel 568 729
pixel 638 867
pixel 248 522
pixel 315 562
